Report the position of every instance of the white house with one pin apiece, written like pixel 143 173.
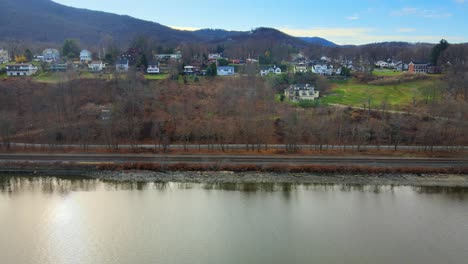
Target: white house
pixel 4 56
pixel 270 69
pixel 50 55
pixel 322 69
pixel 225 71
pixel 153 69
pixel 96 66
pixel 297 92
pixel 21 69
pixel 122 65
pixel 214 56
pixel 86 56
pixel 175 56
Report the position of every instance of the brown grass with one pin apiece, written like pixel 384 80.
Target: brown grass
pixel 319 169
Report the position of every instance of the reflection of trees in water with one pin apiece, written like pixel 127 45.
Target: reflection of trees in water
pixel 454 193
pixel 65 185
pixel 47 185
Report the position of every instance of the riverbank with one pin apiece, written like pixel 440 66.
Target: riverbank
pixel 222 177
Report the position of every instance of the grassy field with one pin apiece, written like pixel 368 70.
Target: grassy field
pixel 162 76
pixel 386 72
pixel 397 95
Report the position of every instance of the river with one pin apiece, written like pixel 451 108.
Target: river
pixel 58 220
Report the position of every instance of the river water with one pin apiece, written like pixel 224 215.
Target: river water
pixel 52 220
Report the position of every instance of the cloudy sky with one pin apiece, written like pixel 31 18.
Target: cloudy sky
pixel 341 21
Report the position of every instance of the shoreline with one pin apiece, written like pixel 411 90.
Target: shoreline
pixel 225 177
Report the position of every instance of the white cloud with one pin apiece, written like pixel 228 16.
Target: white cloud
pixel 460 1
pixel 353 17
pixel 185 28
pixel 419 12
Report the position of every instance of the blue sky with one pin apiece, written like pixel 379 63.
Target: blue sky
pixel 340 21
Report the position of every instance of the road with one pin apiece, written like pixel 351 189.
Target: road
pixel 236 159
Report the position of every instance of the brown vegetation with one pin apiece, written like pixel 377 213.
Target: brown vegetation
pixel 319 169
pixel 240 110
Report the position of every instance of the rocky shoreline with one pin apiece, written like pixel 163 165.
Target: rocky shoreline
pixel 442 180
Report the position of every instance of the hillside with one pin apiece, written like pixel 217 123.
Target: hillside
pixel 318 41
pixel 47 21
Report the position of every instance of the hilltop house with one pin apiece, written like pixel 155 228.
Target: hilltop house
pixel 86 56
pixel 297 92
pixel 122 65
pixel 50 55
pixel 270 69
pixel 96 66
pixel 225 70
pixel 4 56
pixel 21 69
pixel 153 68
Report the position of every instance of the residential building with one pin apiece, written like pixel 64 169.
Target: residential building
pixel 322 69
pixel 4 56
pixel 214 56
pixel 191 70
pixel 297 92
pixel 300 67
pixel 86 56
pixel 122 65
pixel 132 55
pixel 96 66
pixel 225 70
pixel 175 56
pixel 153 68
pixel 21 69
pixel 418 67
pixel 50 55
pixel 58 67
pixel 270 70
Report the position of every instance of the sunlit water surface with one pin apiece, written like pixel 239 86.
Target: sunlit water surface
pixel 52 220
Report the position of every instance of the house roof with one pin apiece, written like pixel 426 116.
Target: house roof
pixel 225 68
pixel 302 87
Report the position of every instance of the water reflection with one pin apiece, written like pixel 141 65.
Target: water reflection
pixel 56 220
pixel 64 185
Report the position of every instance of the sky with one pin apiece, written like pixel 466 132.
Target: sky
pixel 340 21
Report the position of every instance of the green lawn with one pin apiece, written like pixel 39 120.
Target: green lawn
pixel 386 72
pixel 397 95
pixel 47 77
pixel 162 76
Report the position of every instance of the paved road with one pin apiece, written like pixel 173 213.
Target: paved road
pixel 236 159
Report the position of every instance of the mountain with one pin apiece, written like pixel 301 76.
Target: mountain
pixel 47 21
pixel 44 21
pixel 318 41
pixel 216 34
